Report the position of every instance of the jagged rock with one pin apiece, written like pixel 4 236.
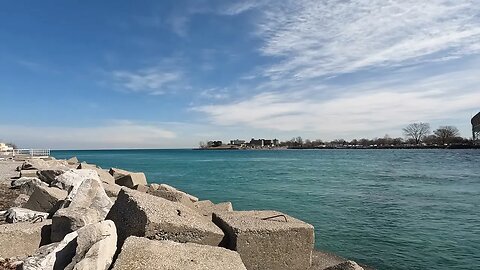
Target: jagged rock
pixel 141 188
pixel 16 214
pixel 112 190
pixel 21 200
pixel 173 196
pixel 170 188
pixel 87 166
pixel 96 245
pixel 267 239
pixel 153 186
pixel 27 185
pixel 22 239
pixel 132 179
pixel 55 256
pixel 72 161
pixel 48 176
pixel 67 220
pixel 9 264
pixel 46 199
pixel 206 208
pixel 40 164
pixel 348 265
pixel 28 173
pixel 72 179
pixel 118 173
pixel 90 204
pixel 140 214
pixel 105 176
pixel 143 254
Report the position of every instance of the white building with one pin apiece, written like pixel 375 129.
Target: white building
pixel 5 149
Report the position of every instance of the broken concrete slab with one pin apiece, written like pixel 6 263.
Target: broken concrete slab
pixel 268 239
pixel 173 196
pixel 112 190
pixel 170 188
pixel 16 214
pixel 140 253
pixel 96 246
pixel 72 161
pixel 23 239
pixel 72 179
pixel 140 214
pixel 49 175
pixel 67 220
pixel 132 179
pixel 46 199
pixel 28 173
pixel 118 173
pixel 206 208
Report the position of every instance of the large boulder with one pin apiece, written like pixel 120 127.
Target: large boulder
pixel 90 204
pixel 72 179
pixel 348 265
pixel 173 196
pixel 206 208
pixel 143 254
pixel 140 214
pixel 27 185
pixel 55 256
pixel 118 173
pixel 49 175
pixel 46 199
pixel 28 173
pixel 40 164
pixel 16 214
pixel 105 176
pixel 112 190
pixel 166 187
pixel 132 179
pixel 72 161
pixel 23 239
pixel 96 246
pixel 268 239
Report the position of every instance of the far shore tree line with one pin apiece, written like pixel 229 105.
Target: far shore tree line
pixel 416 135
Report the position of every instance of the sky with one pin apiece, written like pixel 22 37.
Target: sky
pixel 169 74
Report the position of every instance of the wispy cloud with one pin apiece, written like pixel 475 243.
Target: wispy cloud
pixel 317 38
pixel 156 80
pixel 369 107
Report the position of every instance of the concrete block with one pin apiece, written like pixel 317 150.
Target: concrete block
pixel 131 180
pixel 264 242
pixel 23 239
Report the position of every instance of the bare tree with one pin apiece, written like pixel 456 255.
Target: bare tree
pixel 417 131
pixel 446 133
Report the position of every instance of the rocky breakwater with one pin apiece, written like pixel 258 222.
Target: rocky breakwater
pixel 75 215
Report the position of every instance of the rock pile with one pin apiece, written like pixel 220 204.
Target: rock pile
pixel 78 216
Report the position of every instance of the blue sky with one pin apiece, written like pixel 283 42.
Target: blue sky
pixel 168 74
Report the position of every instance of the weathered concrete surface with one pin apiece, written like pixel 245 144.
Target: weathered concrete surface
pixel 173 196
pixel 49 175
pixel 268 244
pixel 27 185
pixel 132 179
pixel 55 256
pixel 23 239
pixel 67 220
pixel 41 164
pixel 170 188
pixel 206 208
pixel 141 188
pixel 72 179
pixel 348 265
pixel 112 190
pixel 72 161
pixel 96 246
pixel 102 174
pixel 143 254
pixel 90 194
pixel 87 166
pixel 16 214
pixel 46 199
pixel 118 173
pixel 140 214
pixel 28 173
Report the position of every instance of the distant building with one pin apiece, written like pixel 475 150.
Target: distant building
pixel 476 128
pixel 257 143
pixel 5 148
pixel 237 142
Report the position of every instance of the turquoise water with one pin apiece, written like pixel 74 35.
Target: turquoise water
pixel 391 209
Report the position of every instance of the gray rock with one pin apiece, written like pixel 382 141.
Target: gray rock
pixel 143 254
pixel 141 188
pixel 23 239
pixel 55 256
pixel 40 164
pixel 27 185
pixel 173 196
pixel 140 214
pixel 21 200
pixel 96 246
pixel 46 199
pixel 206 208
pixel 72 179
pixel 28 173
pixel 348 265
pixel 90 204
pixel 112 190
pixel 268 239
pixel 132 179
pixel 118 173
pixel 72 161
pixel 16 214
pixel 170 188
pixel 67 220
pixel 153 186
pixel 105 176
pixel 87 166
pixel 48 176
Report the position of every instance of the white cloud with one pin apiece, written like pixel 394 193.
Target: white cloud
pixel 317 38
pixel 155 80
pixel 371 107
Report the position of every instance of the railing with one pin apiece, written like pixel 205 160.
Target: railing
pixel 32 152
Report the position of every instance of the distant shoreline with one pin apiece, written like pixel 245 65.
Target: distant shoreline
pixel 343 148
